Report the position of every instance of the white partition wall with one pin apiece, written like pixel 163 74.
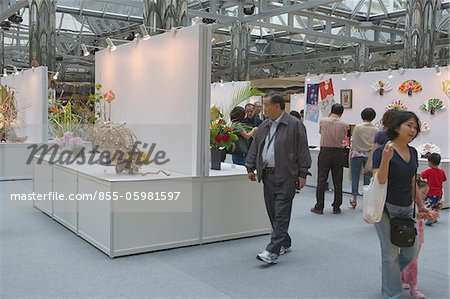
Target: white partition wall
pixel 364 96
pixel 30 90
pixel 160 90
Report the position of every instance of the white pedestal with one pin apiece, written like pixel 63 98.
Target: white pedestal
pixel 224 206
pixel 13 158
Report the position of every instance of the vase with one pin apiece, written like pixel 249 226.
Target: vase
pixel 216 158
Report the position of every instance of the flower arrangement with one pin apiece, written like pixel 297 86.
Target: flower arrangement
pixel 221 133
pixel 69 140
pixel 106 99
pixel 8 116
pixel 63 119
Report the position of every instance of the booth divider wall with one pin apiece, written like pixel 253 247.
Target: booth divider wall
pixel 30 91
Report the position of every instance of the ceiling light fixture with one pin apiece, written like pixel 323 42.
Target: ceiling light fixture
pixel 85 50
pixel 221 83
pixel 4 73
pixel 16 71
pixel 344 76
pixel 390 75
pixel 308 77
pixel 438 70
pixel 111 45
pixel 145 35
pixel 55 77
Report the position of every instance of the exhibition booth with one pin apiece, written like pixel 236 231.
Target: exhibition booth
pixel 425 91
pixel 162 95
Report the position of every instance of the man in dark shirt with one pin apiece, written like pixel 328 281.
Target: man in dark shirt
pixel 250 118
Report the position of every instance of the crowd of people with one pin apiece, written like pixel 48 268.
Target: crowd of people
pixel 277 149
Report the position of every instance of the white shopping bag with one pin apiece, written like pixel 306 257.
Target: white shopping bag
pixel 374 197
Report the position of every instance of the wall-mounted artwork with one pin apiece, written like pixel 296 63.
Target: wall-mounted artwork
pixel 381 87
pixel 432 105
pixel 428 148
pixel 410 86
pixel 346 98
pixel 446 88
pixel 396 105
pixel 424 127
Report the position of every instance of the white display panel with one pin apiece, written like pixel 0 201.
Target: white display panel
pixel 158 85
pixel 364 96
pixel 30 90
pixel 298 102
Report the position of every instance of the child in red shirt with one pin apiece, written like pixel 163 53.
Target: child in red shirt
pixel 435 177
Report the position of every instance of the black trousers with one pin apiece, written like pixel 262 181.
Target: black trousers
pixel 330 158
pixel 278 197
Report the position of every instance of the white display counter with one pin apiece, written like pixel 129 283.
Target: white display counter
pixel 13 158
pixel 312 180
pixel 223 206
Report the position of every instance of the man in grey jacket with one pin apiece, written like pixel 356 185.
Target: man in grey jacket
pixel 280 155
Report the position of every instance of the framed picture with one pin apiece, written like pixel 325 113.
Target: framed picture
pixel 346 98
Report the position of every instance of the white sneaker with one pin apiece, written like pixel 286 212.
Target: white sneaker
pixel 416 293
pixel 267 257
pixel 405 286
pixel 284 250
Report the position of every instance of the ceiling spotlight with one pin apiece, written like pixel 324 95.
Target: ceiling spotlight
pixel 145 35
pixel 16 71
pixel 213 41
pixel 390 76
pixel 344 76
pixel 221 83
pixel 308 77
pixel 16 18
pixel 111 45
pixel 55 77
pixel 249 8
pixel 438 70
pixel 85 50
pixel 207 20
pixel 4 73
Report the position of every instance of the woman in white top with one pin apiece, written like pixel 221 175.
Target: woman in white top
pixel 361 152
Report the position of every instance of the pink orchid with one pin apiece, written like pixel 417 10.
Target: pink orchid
pixel 109 96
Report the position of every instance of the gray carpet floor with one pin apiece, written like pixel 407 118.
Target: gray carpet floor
pixel 334 256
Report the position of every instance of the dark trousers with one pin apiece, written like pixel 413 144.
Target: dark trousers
pixel 330 158
pixel 278 197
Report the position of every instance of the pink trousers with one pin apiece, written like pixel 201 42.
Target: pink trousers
pixel 409 273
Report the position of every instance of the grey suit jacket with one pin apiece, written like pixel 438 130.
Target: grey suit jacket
pixel 292 157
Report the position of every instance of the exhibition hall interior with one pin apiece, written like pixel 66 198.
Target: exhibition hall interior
pixel 224 148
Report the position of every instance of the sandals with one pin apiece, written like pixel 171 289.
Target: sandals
pixel 353 203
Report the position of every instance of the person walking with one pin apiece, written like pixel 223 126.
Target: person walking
pixel 280 155
pixel 361 152
pixel 332 131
